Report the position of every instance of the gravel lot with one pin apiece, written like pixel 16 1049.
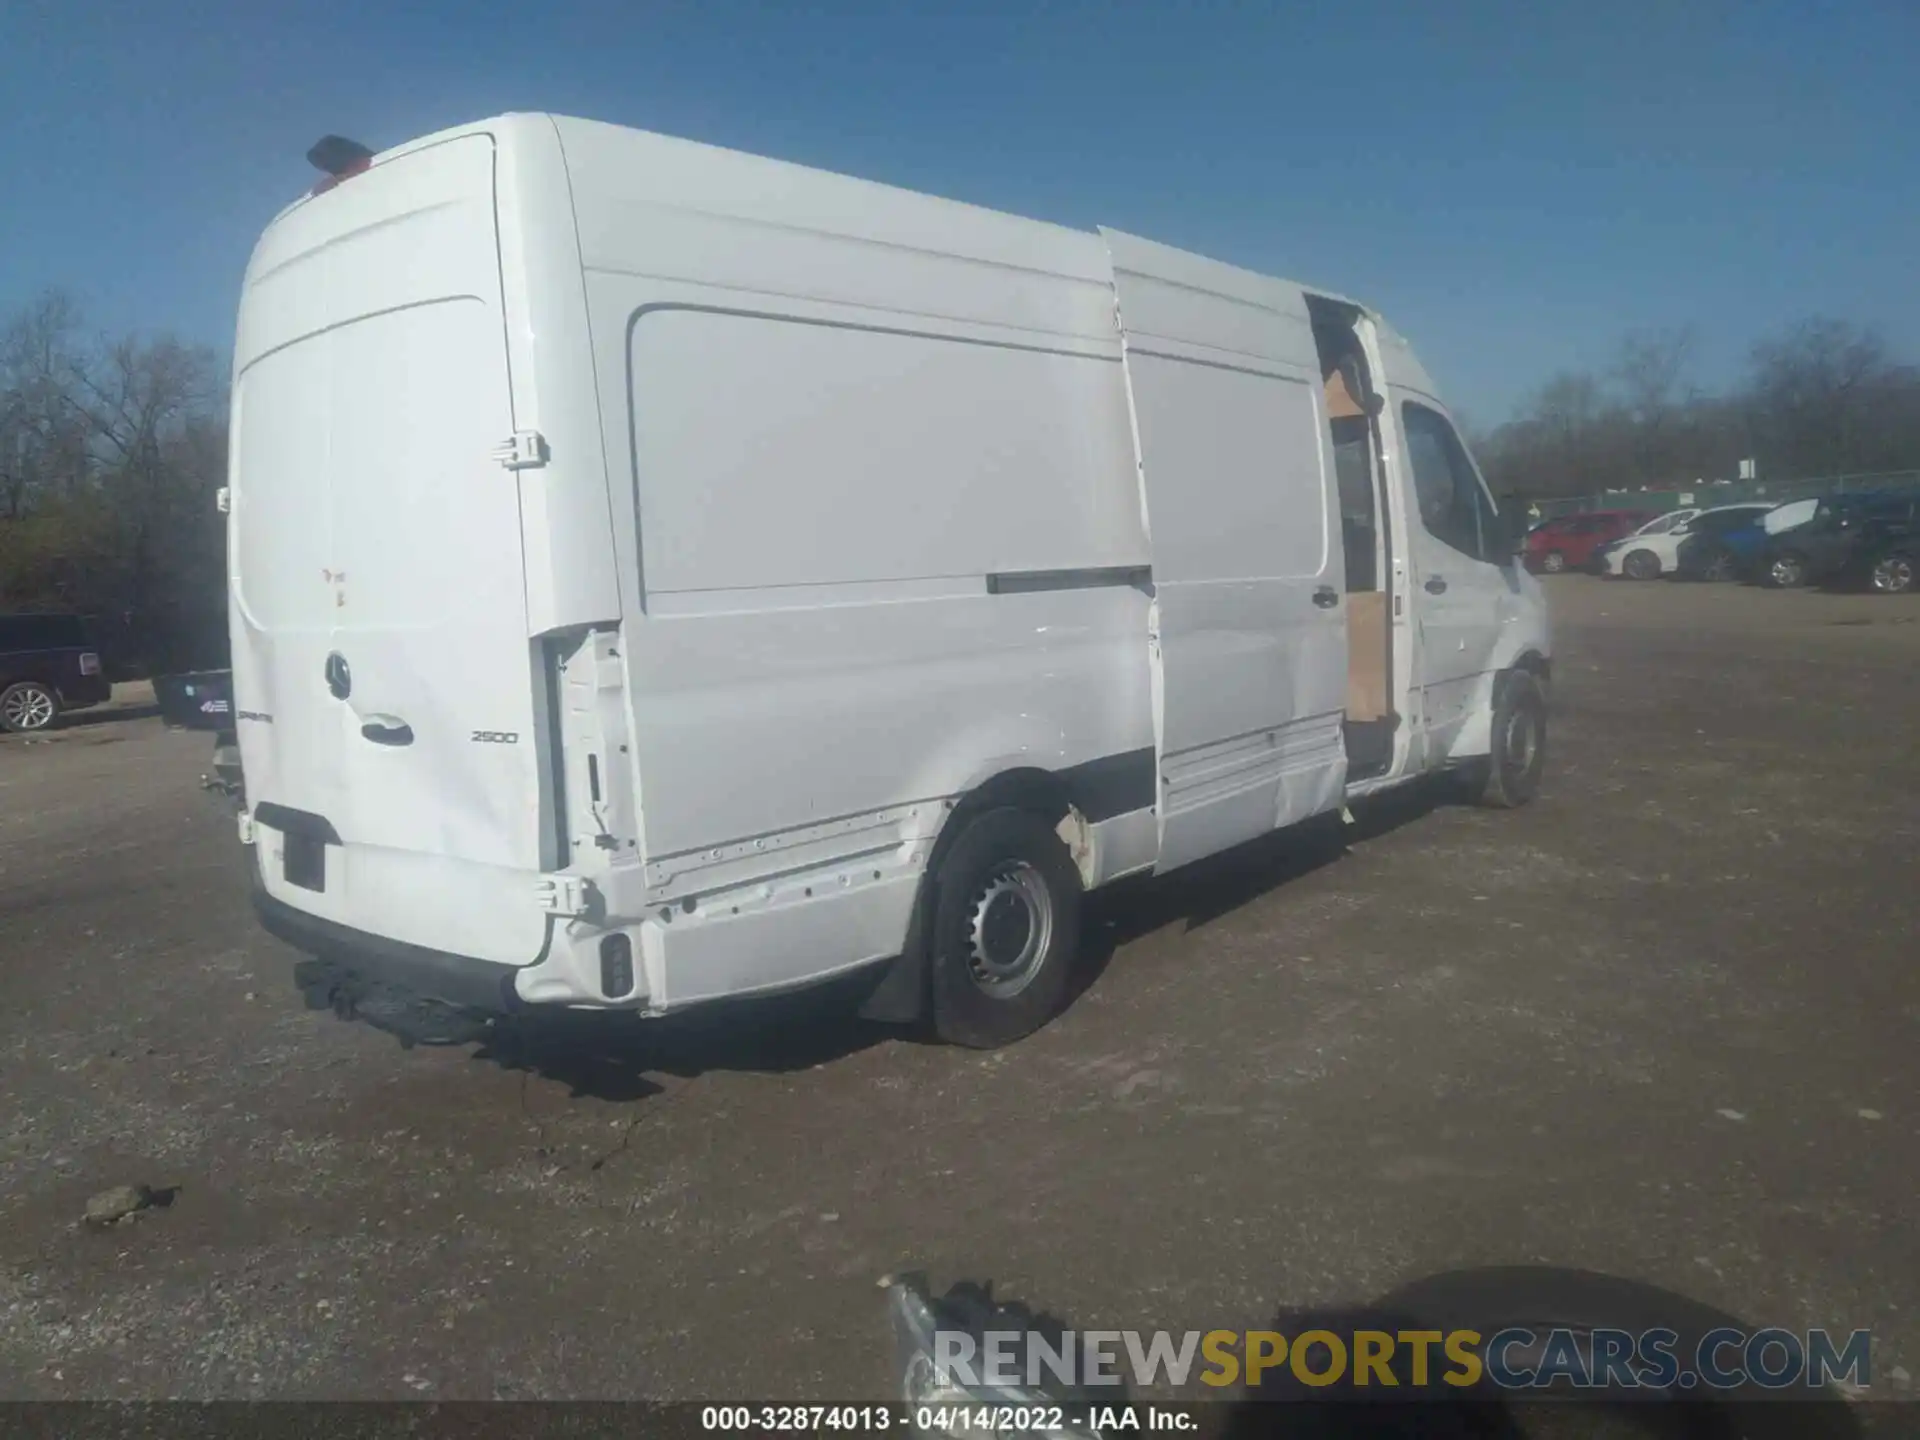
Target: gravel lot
pixel 1663 1024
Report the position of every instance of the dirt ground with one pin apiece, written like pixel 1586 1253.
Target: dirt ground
pixel 1663 1024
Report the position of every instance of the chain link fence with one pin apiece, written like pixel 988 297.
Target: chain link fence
pixel 1727 492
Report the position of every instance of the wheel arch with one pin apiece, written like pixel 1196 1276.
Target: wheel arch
pixel 902 994
pixel 1661 564
pixel 1475 739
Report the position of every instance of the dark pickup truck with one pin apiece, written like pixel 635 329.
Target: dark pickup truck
pixel 47 666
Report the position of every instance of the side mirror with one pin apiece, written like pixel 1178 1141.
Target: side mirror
pixel 1513 529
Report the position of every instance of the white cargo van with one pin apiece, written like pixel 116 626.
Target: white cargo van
pixel 660 574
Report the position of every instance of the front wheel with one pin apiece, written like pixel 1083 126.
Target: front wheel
pixel 1510 775
pixel 1553 562
pixel 1006 930
pixel 1641 565
pixel 1787 571
pixel 28 706
pixel 1892 575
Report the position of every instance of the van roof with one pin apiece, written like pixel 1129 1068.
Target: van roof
pixel 577 124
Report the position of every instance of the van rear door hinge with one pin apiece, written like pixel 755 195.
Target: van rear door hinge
pixel 564 895
pixel 522 450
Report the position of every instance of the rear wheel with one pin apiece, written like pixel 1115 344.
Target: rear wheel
pixel 28 706
pixel 1641 565
pixel 1787 571
pixel 1718 567
pixel 1892 575
pixel 1006 930
pixel 1553 562
pixel 1510 775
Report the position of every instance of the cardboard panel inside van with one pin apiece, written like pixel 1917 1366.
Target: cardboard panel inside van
pixel 1367 655
pixel 1340 402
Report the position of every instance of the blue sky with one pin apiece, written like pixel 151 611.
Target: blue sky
pixel 1514 185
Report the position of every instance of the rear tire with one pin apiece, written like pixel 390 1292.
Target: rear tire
pixel 1892 575
pixel 1641 565
pixel 1510 775
pixel 1553 562
pixel 1006 930
pixel 1719 568
pixel 28 706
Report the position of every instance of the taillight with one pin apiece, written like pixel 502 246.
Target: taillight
pixel 89 663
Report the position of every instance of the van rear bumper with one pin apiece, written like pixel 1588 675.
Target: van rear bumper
pixel 460 980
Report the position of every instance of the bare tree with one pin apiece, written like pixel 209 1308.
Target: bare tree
pixel 1650 375
pixel 1826 397
pixel 43 440
pixel 109 456
pixel 1823 398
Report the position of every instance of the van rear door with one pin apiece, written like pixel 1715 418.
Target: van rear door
pixel 1249 644
pixel 384 684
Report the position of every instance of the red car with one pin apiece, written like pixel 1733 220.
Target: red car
pixel 1567 542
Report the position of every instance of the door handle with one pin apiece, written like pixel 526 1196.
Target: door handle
pixel 387 730
pixel 1326 597
pixel 1436 585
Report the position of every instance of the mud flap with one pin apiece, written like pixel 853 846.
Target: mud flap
pixel 899 995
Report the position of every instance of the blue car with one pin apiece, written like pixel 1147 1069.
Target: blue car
pixel 1723 545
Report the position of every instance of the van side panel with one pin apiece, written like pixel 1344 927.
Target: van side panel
pixel 880 534
pixel 774 451
pixel 872 482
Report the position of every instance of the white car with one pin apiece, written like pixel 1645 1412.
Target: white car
pixel 1653 549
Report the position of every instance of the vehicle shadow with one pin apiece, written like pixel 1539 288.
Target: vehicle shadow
pixel 1197 895
pixel 1541 1300
pixel 610 1056
pixel 107 715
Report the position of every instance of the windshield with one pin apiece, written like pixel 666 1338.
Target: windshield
pixel 1785 517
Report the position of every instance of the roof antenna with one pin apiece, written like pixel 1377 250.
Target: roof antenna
pixel 339 157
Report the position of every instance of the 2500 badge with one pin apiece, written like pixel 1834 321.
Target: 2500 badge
pixel 496 737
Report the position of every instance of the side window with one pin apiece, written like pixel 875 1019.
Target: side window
pixel 41 632
pixel 1453 508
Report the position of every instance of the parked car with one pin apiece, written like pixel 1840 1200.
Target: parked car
pixel 1568 542
pixel 1724 543
pixel 1654 549
pixel 1607 558
pixel 47 666
pixel 1842 540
